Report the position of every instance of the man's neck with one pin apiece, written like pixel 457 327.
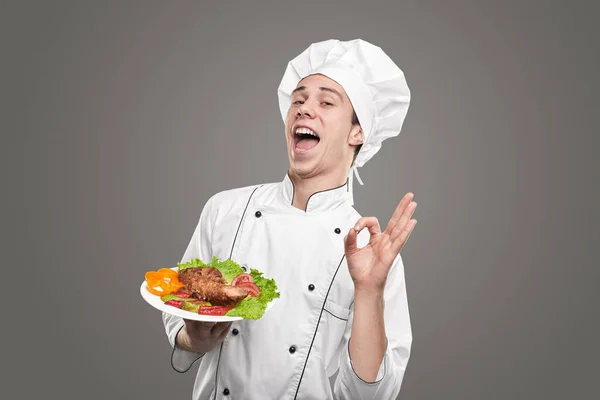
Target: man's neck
pixel 304 188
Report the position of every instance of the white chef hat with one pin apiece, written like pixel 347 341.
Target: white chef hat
pixel 373 82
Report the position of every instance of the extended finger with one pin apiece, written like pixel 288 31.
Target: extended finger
pixel 402 238
pixel 371 223
pixel 400 226
pixel 201 326
pixel 219 328
pixel 223 334
pixel 399 211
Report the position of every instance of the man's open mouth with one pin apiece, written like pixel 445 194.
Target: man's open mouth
pixel 305 139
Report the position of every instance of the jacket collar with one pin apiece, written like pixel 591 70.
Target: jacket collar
pixel 324 200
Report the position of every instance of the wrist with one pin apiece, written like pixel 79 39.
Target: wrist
pixel 374 292
pixel 368 299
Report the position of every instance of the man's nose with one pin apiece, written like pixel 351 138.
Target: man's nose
pixel 305 111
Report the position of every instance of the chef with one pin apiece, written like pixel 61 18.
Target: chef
pixel 343 306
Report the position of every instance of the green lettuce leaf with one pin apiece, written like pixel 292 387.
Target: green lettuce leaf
pixel 193 263
pixel 170 296
pixel 192 305
pixel 249 308
pixel 229 268
pixel 254 307
pixel 268 288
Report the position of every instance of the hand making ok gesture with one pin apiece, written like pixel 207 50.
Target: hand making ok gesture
pixel 369 265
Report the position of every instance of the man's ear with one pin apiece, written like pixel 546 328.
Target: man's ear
pixel 356 136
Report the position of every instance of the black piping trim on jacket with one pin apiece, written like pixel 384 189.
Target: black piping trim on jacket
pixel 323 191
pixel 173 353
pixel 384 364
pixel 343 319
pixel 293 189
pixel 320 191
pixel 230 254
pixel 217 372
pixel 317 327
pixel 241 220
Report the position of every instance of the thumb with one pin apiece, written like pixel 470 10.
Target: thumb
pixel 350 242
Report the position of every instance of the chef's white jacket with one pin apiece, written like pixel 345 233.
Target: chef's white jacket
pixel 299 343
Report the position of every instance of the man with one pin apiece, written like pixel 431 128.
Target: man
pixel 343 305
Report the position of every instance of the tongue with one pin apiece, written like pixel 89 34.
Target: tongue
pixel 307 143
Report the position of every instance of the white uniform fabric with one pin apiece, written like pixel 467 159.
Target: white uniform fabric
pixel 292 351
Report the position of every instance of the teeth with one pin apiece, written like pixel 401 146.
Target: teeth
pixel 305 131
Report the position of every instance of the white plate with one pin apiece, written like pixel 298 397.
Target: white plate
pixel 157 303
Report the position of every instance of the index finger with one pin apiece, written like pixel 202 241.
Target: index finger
pixel 220 327
pixel 371 223
pixel 199 325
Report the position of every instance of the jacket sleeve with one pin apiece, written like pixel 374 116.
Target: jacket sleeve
pixel 348 385
pixel 199 247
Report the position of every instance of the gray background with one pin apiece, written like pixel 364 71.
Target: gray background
pixel 120 119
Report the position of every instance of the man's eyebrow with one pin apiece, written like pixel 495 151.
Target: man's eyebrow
pixel 299 89
pixel 322 88
pixel 327 89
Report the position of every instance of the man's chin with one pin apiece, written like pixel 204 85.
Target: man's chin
pixel 303 170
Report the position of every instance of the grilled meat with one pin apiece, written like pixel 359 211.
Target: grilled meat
pixel 208 284
pixel 208 273
pixel 213 274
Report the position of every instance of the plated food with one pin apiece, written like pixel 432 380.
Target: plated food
pixel 219 290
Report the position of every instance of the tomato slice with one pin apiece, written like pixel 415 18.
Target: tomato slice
pixel 242 278
pixel 250 287
pixel 213 310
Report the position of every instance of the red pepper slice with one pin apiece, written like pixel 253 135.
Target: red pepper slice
pixel 174 303
pixel 214 310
